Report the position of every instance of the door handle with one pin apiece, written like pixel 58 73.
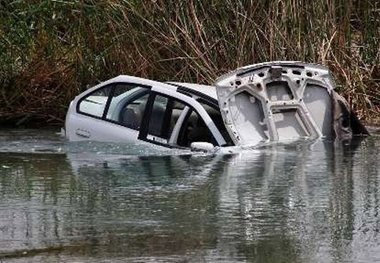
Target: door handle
pixel 83 133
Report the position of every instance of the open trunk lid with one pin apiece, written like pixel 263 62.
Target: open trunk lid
pixel 283 101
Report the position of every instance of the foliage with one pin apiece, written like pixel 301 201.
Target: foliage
pixel 50 50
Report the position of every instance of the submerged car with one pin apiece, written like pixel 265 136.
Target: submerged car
pixel 272 101
pixel 130 109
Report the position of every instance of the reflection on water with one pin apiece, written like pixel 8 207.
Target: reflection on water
pixel 302 202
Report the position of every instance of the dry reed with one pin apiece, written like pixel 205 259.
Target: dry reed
pixel 52 50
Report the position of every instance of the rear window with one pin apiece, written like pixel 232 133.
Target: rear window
pixel 107 102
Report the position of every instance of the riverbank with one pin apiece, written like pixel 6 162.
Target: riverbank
pixel 54 50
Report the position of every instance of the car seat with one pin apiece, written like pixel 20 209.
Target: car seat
pixel 156 119
pixel 131 117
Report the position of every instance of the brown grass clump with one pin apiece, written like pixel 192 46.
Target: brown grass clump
pixel 52 50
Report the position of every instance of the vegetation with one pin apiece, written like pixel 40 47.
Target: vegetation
pixel 50 50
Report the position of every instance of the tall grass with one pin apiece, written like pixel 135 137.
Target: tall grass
pixel 50 50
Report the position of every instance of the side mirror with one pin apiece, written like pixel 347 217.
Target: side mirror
pixel 201 146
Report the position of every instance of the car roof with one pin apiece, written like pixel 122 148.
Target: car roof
pixel 138 80
pixel 205 89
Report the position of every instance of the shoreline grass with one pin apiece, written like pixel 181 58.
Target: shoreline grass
pixel 52 50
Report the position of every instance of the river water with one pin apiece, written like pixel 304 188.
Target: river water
pixel 309 201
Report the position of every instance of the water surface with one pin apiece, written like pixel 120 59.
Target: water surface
pixel 96 202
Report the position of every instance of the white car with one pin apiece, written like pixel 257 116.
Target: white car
pixel 272 101
pixel 130 109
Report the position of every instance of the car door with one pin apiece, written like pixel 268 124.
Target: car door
pixel 174 120
pixel 109 112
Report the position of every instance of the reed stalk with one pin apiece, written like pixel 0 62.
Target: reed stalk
pixel 50 50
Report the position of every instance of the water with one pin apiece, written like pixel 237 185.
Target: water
pixel 97 202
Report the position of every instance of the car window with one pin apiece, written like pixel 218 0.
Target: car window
pixel 127 105
pixel 216 116
pixel 95 103
pixel 194 129
pixel 156 123
pixel 121 103
pixel 131 114
pixel 163 117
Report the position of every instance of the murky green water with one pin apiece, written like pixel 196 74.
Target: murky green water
pixel 91 202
